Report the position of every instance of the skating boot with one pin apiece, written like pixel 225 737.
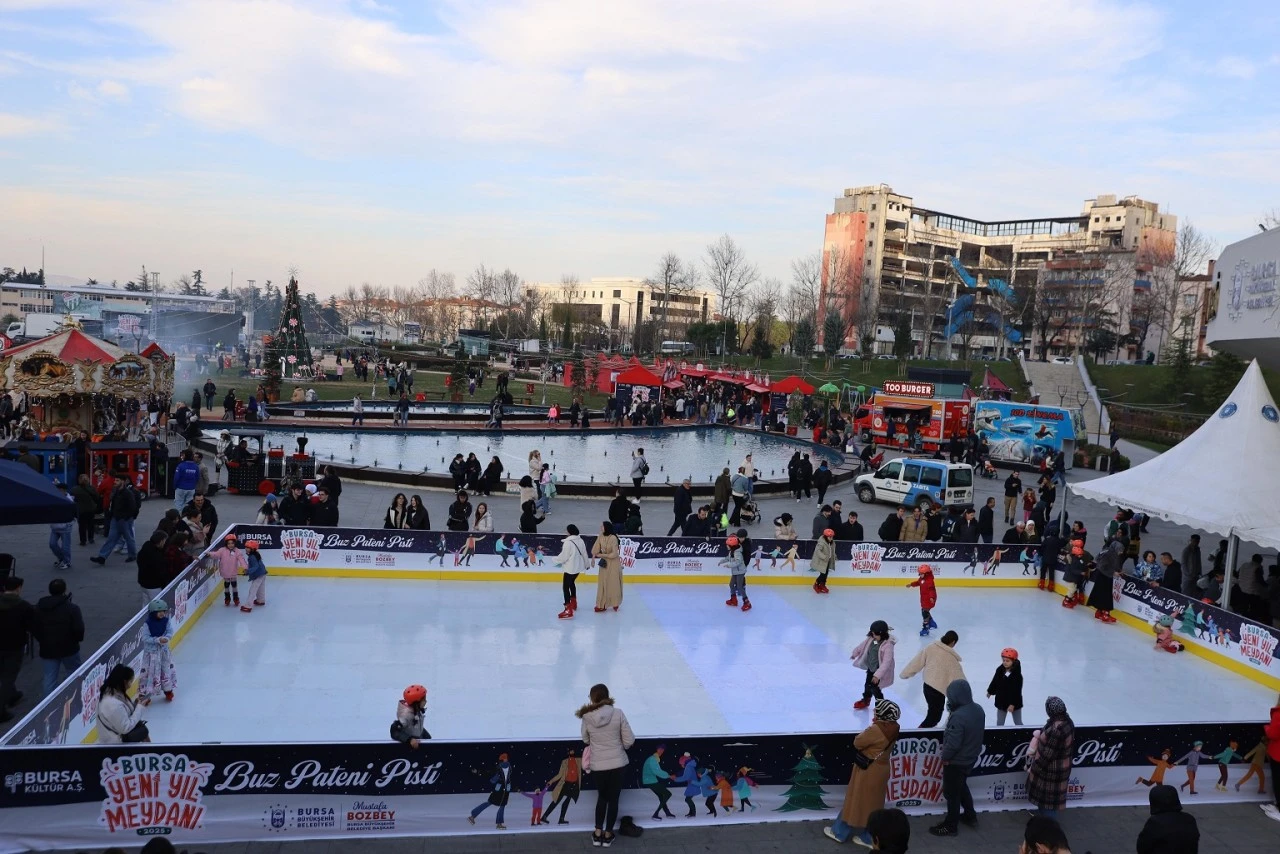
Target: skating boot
pixel 573 604
pixel 235 598
pixel 817 588
pixel 1070 602
pixel 226 600
pixel 1041 584
pixel 824 590
pixel 246 609
pixel 1052 588
pixel 1107 618
pixel 862 704
pixel 932 624
pixel 168 696
pixel 924 633
pixel 732 601
pixel 567 613
pixel 746 604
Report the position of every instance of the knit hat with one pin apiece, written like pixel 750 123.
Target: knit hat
pixel 1055 707
pixel 887 710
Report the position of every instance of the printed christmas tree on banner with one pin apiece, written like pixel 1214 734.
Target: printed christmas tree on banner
pixel 288 354
pixel 806 786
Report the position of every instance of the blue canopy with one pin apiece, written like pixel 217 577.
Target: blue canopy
pixel 27 498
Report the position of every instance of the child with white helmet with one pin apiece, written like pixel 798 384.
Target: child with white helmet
pixel 158 673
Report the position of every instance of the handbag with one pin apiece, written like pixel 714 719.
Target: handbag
pixel 137 735
pixel 586 759
pixel 863 761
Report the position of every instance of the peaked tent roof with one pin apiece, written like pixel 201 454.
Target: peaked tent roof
pixel 1237 449
pixel 791 384
pixel 27 498
pixel 71 345
pixel 639 375
pixel 993 382
pixel 151 349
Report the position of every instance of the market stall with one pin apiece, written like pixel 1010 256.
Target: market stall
pixel 637 383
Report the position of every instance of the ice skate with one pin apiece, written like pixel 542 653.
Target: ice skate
pixel 817 588
pixel 235 598
pixel 932 623
pixel 226 600
pixel 168 696
pixel 1041 584
pixel 246 609
pixel 259 603
pixel 600 610
pixel 924 632
pixel 573 603
pixel 566 614
pixel 1070 602
pixel 862 704
pixel 732 601
pixel 746 605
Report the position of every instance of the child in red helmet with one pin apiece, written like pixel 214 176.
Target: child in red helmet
pixel 823 559
pixel 928 597
pixel 1073 575
pixel 408 727
pixel 1006 687
pixel 737 575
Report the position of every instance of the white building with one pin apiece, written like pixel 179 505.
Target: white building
pixel 620 303
pixel 1243 304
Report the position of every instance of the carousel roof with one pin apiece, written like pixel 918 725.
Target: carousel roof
pixel 70 346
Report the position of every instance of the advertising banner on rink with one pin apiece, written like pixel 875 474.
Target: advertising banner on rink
pixel 99 796
pixel 440 554
pixel 69 714
pixel 1244 644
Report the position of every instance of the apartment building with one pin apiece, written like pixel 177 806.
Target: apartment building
pixel 885 257
pixel 91 301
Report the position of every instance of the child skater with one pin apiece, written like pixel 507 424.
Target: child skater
pixel 1164 634
pixel 737 575
pixel 726 792
pixel 1006 687
pixel 742 788
pixel 230 561
pixel 928 597
pixel 1072 575
pixel 158 672
pixel 536 796
pixel 256 571
pixel 409 726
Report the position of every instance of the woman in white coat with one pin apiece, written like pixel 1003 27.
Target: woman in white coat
pixel 117 714
pixel 572 561
pixel 608 734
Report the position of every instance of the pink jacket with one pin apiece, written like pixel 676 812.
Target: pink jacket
pixel 230 561
pixel 885 670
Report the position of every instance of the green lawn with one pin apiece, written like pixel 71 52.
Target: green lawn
pixel 1152 385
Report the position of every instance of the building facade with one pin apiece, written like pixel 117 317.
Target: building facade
pixel 958 281
pixel 90 301
pixel 1243 304
pixel 621 304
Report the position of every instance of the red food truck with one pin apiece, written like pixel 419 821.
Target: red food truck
pixel 905 414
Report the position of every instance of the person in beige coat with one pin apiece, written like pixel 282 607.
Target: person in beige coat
pixel 868 786
pixel 941 666
pixel 609 582
pixel 914 528
pixel 823 559
pixel 607 733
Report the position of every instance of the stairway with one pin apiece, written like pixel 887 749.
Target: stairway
pixel 1061 385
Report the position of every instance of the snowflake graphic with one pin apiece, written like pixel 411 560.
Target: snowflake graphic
pixel 293 321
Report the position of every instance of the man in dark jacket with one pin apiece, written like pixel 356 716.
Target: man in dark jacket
pixel 987 520
pixel 697 524
pixel 333 484
pixel 1012 492
pixel 961 745
pixel 17 621
pixel 1016 535
pixel 683 505
pixel 121 511
pixel 1169 830
pixel 822 521
pixel 60 630
pixel 966 530
pixel 208 513
pixel 891 527
pixel 324 513
pixel 1191 568
pixel 805 473
pixel 618 508
pixel 1172 578
pixel 822 479
pixel 850 531
pixel 153 567
pixel 295 509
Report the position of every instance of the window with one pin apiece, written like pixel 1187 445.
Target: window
pixel 871 243
pixel 873 224
pixel 1188 300
pixel 617 294
pixel 911 473
pixel 892 471
pixel 868 262
pixel 931 476
pixel 1097 219
pixel 873 205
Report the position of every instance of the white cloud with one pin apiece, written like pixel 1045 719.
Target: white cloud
pixel 13 125
pixel 113 89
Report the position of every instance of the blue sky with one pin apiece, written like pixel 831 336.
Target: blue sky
pixel 373 141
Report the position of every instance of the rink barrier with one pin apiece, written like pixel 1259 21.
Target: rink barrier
pixel 202 794
pixel 68 714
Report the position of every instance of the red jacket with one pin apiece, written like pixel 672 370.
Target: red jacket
pixel 1273 735
pixel 928 591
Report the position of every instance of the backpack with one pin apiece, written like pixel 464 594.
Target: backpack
pixel 644 467
pixel 549 488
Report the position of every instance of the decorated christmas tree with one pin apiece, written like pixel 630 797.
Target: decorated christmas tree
pixel 287 353
pixel 578 383
pixel 806 786
pixel 458 374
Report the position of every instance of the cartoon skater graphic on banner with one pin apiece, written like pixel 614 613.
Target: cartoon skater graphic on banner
pixel 1162 765
pixel 499 791
pixel 567 785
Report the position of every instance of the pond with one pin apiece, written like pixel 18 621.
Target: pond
pixel 599 455
pixel 342 408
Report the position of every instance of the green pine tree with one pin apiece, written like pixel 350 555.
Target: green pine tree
pixel 287 351
pixel 806 786
pixel 579 381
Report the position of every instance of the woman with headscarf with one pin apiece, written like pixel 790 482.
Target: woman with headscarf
pixel 868 786
pixel 1049 770
pixel 608 553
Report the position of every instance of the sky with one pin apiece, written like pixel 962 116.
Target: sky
pixel 373 140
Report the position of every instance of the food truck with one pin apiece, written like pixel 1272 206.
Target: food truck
pixel 905 414
pixel 1026 434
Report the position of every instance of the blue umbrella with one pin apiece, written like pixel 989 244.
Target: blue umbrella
pixel 27 498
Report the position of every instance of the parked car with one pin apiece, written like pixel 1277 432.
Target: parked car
pixel 1063 360
pixel 918 483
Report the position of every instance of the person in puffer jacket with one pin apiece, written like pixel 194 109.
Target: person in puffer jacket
pixel 607 732
pixel 961 746
pixel 231 561
pixel 408 727
pixel 1169 830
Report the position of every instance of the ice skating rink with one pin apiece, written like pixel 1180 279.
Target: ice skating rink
pixel 327 659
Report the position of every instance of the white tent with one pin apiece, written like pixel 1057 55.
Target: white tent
pixel 1224 478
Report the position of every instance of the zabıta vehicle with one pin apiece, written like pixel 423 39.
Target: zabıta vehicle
pixel 918 483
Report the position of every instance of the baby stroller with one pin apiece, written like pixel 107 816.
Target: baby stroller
pixel 988 470
pixel 750 512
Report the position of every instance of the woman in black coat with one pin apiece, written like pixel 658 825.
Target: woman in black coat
pixel 458 468
pixel 459 513
pixel 419 518
pixel 529 518
pixel 1006 687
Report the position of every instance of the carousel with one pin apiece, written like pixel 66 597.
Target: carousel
pixel 73 382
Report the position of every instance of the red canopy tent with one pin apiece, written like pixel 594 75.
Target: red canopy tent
pixel 729 378
pixel 673 384
pixel 695 372
pixel 756 388
pixel 791 384
pixel 639 375
pixel 998 388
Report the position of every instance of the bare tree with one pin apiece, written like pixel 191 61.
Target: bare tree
pixel 365 302
pixel 482 286
pixel 729 273
pixel 673 278
pixel 840 292
pixel 507 288
pixel 1171 266
pixel 806 282
pixel 762 304
pixel 434 307
pixel 1271 219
